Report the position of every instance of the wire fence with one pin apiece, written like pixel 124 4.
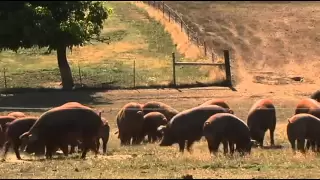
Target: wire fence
pixel 193 36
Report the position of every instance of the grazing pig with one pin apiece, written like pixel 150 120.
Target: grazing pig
pixel 14 130
pixel 130 122
pixel 104 135
pixel 301 127
pixel 227 127
pixel 309 106
pixel 152 121
pixel 17 114
pixel 218 102
pixel 261 117
pixel 316 95
pixel 154 106
pixel 188 126
pixel 55 125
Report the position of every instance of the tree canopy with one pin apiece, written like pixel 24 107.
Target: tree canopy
pixel 54 24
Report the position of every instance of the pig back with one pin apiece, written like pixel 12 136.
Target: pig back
pixel 62 120
pixel 190 122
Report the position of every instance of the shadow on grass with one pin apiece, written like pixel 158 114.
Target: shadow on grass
pixel 21 99
pixel 51 97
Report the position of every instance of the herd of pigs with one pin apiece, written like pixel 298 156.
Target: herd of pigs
pixel 78 126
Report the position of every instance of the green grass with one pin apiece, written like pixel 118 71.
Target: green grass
pixel 133 36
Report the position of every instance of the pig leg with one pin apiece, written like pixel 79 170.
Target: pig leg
pixel 50 148
pixel 313 145
pixel 189 144
pixel 6 149
pixel 210 147
pixel 104 145
pixel 301 145
pixel 16 146
pixel 88 143
pixel 98 143
pixel 181 145
pixel 225 147
pixel 215 145
pixel 231 147
pixel 149 138
pixel 271 137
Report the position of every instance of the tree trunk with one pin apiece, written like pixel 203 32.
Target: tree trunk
pixel 65 71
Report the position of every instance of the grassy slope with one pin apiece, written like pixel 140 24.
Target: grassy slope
pixel 133 36
pixel 280 37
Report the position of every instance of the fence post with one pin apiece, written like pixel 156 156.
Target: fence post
pixel 134 73
pixel 181 24
pixel 197 39
pixel 5 78
pixel 227 67
pixel 212 56
pixel 169 14
pixel 188 33
pixel 80 76
pixel 205 47
pixel 174 69
pixel 163 8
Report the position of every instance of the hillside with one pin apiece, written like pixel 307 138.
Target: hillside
pixel 270 41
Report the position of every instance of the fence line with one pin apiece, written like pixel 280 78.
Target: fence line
pixel 193 36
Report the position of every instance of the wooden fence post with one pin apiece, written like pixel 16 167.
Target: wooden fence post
pixel 174 69
pixel 181 24
pixel 80 76
pixel 169 14
pixel 188 34
pixel 197 39
pixel 212 56
pixel 134 73
pixel 5 78
pixel 163 8
pixel 205 47
pixel 227 67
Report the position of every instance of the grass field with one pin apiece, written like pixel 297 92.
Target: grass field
pixel 133 36
pixel 153 161
pixel 147 43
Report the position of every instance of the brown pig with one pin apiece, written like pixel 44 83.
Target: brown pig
pixel 301 127
pixel 188 126
pixel 227 127
pixel 262 117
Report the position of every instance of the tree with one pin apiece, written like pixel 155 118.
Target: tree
pixel 57 25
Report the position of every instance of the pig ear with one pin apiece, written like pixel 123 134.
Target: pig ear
pixel 161 128
pixel 230 111
pixel 288 120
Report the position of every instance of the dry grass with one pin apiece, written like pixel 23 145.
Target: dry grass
pixel 153 161
pixel 280 37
